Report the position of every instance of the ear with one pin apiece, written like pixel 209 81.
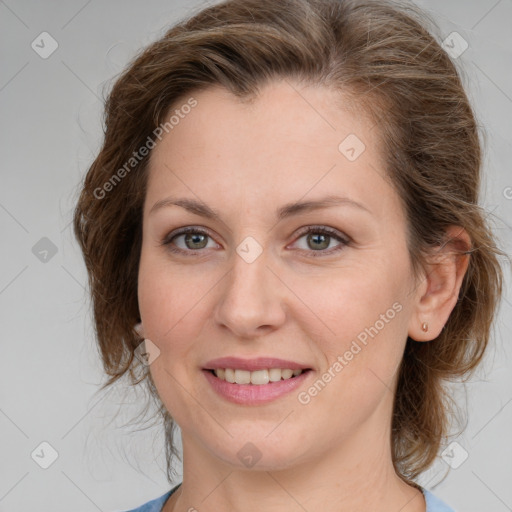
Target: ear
pixel 438 291
pixel 139 329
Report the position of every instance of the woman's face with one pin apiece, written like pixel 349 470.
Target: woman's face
pixel 252 283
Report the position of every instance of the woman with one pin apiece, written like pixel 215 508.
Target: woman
pixel 282 232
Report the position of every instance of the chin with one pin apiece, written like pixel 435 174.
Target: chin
pixel 259 453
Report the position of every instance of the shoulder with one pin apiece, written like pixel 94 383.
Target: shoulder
pixel 155 505
pixel 434 504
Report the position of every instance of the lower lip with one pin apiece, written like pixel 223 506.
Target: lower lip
pixel 250 394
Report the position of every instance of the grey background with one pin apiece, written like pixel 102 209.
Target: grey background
pixel 50 131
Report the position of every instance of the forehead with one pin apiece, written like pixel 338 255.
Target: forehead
pixel 289 141
pixel 282 109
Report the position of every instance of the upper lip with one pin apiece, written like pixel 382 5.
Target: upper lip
pixel 258 363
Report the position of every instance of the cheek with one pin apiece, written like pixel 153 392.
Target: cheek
pixel 350 297
pixel 361 315
pixel 171 303
pixel 363 353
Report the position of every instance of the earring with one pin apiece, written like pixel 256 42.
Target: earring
pixel 424 326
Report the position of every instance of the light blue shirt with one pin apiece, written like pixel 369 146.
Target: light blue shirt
pixel 434 504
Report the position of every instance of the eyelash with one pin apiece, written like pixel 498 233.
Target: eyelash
pixel 310 229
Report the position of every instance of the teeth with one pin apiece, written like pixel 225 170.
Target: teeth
pixel 257 377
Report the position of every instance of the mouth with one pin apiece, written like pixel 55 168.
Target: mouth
pixel 252 388
pixel 256 377
pixel 255 381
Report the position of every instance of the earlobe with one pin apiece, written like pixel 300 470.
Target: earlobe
pixel 139 329
pixel 443 280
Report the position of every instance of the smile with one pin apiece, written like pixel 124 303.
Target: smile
pixel 247 393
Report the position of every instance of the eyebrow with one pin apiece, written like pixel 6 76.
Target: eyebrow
pixel 285 211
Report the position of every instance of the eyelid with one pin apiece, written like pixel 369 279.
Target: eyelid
pixel 344 239
pixel 322 228
pixel 183 231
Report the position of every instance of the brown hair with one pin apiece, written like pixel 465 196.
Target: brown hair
pixel 384 57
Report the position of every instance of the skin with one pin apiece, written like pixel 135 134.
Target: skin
pixel 245 161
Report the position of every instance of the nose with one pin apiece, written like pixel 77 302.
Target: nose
pixel 251 303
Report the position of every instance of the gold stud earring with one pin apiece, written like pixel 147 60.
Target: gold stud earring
pixel 424 326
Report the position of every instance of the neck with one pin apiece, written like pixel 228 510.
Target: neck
pixel 356 476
